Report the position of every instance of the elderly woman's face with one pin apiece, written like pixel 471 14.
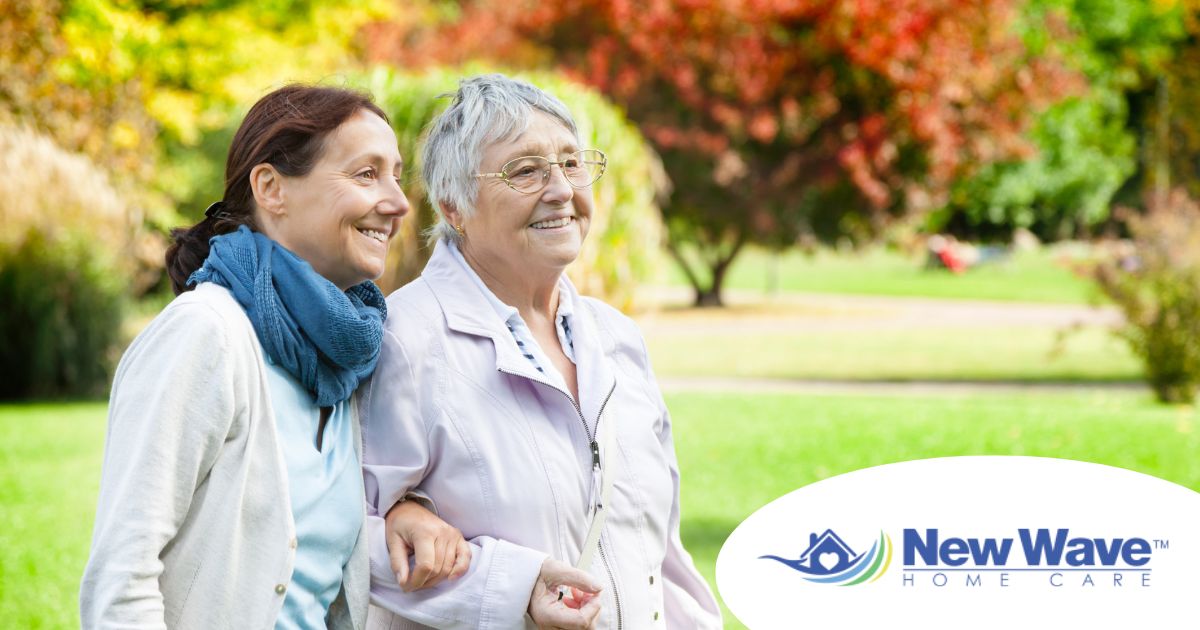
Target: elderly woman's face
pixel 543 229
pixel 342 215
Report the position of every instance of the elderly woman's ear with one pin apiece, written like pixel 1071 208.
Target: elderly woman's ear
pixel 453 216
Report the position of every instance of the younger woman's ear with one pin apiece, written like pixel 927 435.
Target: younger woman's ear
pixel 267 185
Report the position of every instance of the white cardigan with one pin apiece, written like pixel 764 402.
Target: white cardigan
pixel 194 526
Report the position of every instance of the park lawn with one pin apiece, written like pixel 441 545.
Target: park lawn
pixel 1033 276
pixel 50 457
pixel 951 354
pixel 738 452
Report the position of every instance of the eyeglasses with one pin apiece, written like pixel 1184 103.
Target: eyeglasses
pixel 531 173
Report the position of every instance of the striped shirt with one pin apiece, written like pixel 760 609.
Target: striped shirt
pixel 522 336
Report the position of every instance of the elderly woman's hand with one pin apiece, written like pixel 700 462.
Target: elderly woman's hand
pixel 441 552
pixel 576 609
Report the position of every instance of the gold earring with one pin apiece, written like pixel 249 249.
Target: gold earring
pixel 460 230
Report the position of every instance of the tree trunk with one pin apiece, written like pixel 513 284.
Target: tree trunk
pixel 708 298
pixel 718 266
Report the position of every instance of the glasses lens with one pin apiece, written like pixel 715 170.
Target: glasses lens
pixel 584 167
pixel 527 174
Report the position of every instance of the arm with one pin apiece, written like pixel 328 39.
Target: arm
pixel 397 455
pixel 688 600
pixel 171 408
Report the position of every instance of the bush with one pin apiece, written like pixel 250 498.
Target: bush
pixel 61 320
pixel 623 247
pixel 69 250
pixel 1155 281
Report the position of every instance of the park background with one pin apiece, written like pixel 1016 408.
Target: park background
pixel 854 232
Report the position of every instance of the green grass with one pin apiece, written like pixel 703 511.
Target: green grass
pixel 1028 277
pixel 737 452
pixel 49 478
pixel 953 354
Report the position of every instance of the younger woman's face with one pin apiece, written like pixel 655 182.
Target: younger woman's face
pixel 342 215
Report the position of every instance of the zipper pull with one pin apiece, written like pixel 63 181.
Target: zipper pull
pixel 595 454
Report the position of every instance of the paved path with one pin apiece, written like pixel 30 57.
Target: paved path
pixel 754 312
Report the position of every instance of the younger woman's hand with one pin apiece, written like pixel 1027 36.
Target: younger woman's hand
pixel 440 550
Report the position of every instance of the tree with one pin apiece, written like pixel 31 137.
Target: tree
pixel 138 85
pixel 1090 145
pixel 780 121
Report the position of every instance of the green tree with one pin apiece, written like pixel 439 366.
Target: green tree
pixel 1089 146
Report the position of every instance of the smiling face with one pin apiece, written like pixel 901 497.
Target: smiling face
pixel 342 215
pixel 513 232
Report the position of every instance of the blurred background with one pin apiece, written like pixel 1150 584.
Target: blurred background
pixel 854 232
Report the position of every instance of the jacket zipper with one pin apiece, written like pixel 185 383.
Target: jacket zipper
pixel 611 580
pixel 595 449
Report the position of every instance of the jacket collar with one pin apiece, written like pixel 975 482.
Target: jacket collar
pixel 468 311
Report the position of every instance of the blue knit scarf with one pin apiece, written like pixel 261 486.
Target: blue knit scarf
pixel 328 339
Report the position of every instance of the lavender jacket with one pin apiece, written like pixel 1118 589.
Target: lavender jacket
pixel 455 414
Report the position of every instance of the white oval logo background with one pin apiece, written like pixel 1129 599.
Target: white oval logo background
pixel 865 512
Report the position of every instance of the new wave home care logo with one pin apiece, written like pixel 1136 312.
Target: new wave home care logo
pixel 829 560
pixel 970 542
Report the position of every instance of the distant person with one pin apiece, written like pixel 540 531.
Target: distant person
pixel 950 253
pixel 527 413
pixel 231 495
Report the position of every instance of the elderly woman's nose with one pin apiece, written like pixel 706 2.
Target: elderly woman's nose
pixel 558 188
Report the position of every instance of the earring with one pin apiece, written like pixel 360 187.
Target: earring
pixel 460 230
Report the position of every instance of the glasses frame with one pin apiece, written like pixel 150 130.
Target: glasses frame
pixel 546 180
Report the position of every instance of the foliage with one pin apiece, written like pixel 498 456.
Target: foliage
pixel 1169 110
pixel 622 248
pixel 61 321
pixel 70 254
pixel 1087 146
pixel 138 85
pixel 64 195
pixel 1157 286
pixel 778 121
pixel 104 120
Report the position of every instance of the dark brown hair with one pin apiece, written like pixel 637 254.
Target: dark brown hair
pixel 285 129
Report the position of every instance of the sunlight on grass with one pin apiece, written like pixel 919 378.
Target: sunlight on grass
pixel 1038 276
pixel 1016 354
pixel 49 479
pixel 738 452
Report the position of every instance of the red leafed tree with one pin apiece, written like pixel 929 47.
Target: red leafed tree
pixel 778 120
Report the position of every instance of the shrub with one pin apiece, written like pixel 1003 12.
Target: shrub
pixel 61 320
pixel 68 255
pixel 623 247
pixel 1155 281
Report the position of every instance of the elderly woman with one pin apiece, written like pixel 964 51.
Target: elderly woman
pixel 528 415
pixel 231 494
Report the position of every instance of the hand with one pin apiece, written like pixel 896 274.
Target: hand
pixel 578 607
pixel 441 551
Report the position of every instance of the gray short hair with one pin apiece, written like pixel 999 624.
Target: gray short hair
pixel 486 109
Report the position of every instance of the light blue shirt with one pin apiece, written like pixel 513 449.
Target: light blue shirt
pixel 326 493
pixel 521 334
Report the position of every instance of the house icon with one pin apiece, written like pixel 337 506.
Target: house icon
pixel 827 554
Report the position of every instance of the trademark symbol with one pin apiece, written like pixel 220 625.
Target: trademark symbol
pixel 1162 544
